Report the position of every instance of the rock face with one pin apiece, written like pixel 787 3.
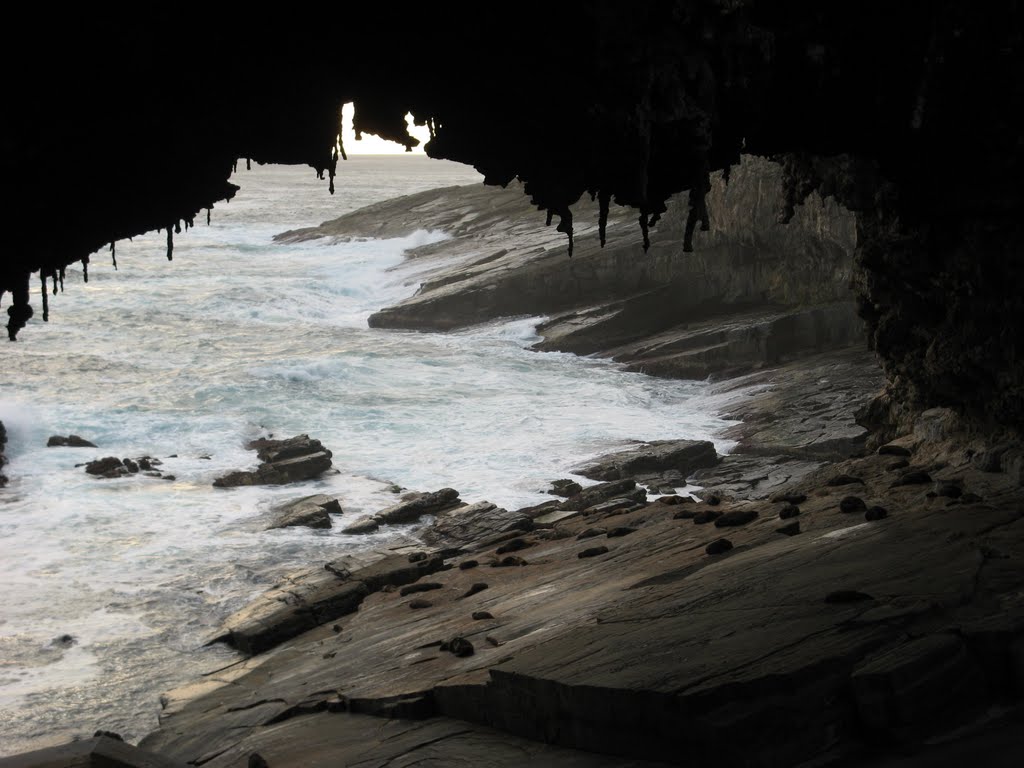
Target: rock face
pixel 309 511
pixel 282 461
pixel 71 441
pixel 651 460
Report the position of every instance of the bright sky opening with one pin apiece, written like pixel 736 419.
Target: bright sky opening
pixel 374 145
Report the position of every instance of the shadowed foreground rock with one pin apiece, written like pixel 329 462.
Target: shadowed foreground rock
pixel 282 461
pixel 97 752
pixel 655 650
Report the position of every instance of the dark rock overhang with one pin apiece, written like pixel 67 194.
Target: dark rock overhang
pixel 117 125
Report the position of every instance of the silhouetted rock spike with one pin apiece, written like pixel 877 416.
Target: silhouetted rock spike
pixel 85 269
pixel 46 301
pixel 113 254
pixel 61 273
pixel 170 244
pixel 207 217
pixel 565 225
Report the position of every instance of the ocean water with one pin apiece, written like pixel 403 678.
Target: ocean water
pixel 237 338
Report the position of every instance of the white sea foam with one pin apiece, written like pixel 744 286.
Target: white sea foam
pixel 238 337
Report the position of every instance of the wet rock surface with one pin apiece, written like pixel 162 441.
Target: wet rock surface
pixel 309 511
pixel 291 460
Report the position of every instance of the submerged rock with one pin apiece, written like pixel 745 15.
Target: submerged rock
pixel 71 441
pixel 109 466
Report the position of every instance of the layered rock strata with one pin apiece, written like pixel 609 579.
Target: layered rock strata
pixel 281 461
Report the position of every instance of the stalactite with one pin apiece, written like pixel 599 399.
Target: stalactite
pixel 332 169
pixel 207 217
pixel 644 230
pixel 234 166
pixel 53 276
pixel 248 164
pixel 61 273
pixel 551 215
pixel 177 227
pixel 341 148
pixel 113 254
pixel 602 217
pixel 20 310
pixel 565 225
pixel 46 300
pixel 170 244
pixel 85 269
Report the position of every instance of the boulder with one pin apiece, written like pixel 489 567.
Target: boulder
pixel 718 546
pixel 851 504
pixel 108 466
pixel 283 461
pixel 474 522
pixel 736 518
pixel 565 488
pixel 309 511
pixel 71 441
pixel 683 456
pixel 913 477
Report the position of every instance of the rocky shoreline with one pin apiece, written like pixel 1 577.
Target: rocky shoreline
pixel 826 595
pixel 738 631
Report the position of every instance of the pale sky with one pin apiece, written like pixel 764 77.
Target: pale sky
pixel 373 145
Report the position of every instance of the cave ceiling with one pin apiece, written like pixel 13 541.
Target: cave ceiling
pixel 118 124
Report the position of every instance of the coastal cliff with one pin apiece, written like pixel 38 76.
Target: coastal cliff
pixel 758 292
